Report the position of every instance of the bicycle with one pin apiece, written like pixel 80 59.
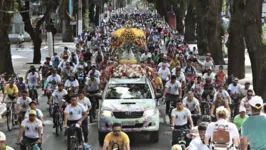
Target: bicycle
pixel 72 140
pixel 10 115
pixel 33 94
pixel 179 137
pixel 93 99
pixel 59 118
pixel 30 146
pixel 172 106
pixel 19 45
pixel 113 146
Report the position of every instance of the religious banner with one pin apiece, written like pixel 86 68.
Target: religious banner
pixel 171 20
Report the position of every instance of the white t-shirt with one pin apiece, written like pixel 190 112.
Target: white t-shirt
pixel 97 74
pixel 145 57
pixel 207 65
pixel 191 105
pixel 206 76
pixel 59 95
pixel 232 129
pixel 234 89
pixel 224 93
pixel 93 85
pixel 24 104
pixel 32 79
pixel 51 78
pixel 173 88
pixel 75 112
pixel 196 144
pixel 161 64
pixel 164 73
pixel 74 83
pixel 31 128
pixel 85 101
pixel 181 116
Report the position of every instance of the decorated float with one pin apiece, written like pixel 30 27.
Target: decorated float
pixel 122 41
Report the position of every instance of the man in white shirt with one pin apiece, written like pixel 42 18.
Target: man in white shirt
pixel 192 103
pixel 145 56
pixel 207 64
pixel 197 134
pixel 245 101
pixel 97 74
pixel 222 125
pixel 208 75
pixel 172 92
pixel 23 103
pixel 223 92
pixel 164 73
pixel 52 82
pixel 32 78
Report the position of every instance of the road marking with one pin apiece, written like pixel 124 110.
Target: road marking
pixel 17 57
pixel 167 120
pixel 48 122
pixel 91 124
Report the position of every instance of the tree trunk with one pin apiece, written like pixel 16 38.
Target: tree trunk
pixel 179 7
pixel 256 48
pixel 160 7
pixel 214 31
pixel 236 48
pixel 5 57
pixel 202 41
pixel 190 21
pixel 96 21
pixel 92 12
pixel 67 29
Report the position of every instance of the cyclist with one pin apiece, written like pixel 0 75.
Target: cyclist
pixel 164 73
pixel 66 71
pixel 190 72
pixel 72 83
pixel 52 82
pixel 10 92
pixel 226 128
pixel 240 118
pixel 235 88
pixel 31 129
pixel 245 101
pixel 3 145
pixel 116 139
pixel 23 104
pixel 172 92
pixel 75 113
pixel 197 142
pixel 33 106
pixel 32 81
pixel 192 103
pixel 57 98
pixel 223 92
pixel 86 102
pixel 96 73
pixel 81 77
pixel 93 86
pixel 68 97
pixel 180 117
pixel 21 85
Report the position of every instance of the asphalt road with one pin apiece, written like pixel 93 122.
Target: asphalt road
pixel 51 141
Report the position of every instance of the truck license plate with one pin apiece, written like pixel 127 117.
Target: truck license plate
pixel 128 123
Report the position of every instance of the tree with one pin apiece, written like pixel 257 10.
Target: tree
pixel 5 57
pixel 190 21
pixel 201 19
pixel 179 7
pixel 35 30
pixel 252 24
pixel 236 48
pixel 67 29
pixel 214 30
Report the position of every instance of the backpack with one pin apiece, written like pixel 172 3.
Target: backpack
pixel 221 136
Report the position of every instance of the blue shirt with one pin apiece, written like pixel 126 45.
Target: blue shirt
pixel 254 128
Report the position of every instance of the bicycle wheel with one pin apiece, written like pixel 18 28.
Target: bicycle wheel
pixel 9 121
pixel 51 110
pixel 74 143
pixel 57 128
pixel 60 120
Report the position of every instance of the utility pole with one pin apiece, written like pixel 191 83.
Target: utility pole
pixel 79 17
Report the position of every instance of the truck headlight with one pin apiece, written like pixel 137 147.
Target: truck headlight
pixel 107 113
pixel 150 112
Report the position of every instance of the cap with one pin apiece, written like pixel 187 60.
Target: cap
pixel 32 112
pixel 242 109
pixel 193 132
pixel 2 136
pixel 176 147
pixel 256 102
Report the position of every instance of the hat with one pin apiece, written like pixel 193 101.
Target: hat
pixel 2 136
pixel 32 112
pixel 256 102
pixel 242 109
pixel 193 132
pixel 176 147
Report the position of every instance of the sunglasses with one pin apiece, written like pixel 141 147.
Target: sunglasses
pixel 116 131
pixel 249 94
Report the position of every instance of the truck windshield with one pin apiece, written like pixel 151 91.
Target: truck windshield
pixel 128 91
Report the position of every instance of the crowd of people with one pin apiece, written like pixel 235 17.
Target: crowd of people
pixel 216 108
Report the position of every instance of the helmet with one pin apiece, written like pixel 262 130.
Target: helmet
pixel 176 147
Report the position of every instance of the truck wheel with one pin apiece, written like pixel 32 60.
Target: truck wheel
pixel 154 136
pixel 101 137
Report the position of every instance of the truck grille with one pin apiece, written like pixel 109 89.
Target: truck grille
pixel 132 114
